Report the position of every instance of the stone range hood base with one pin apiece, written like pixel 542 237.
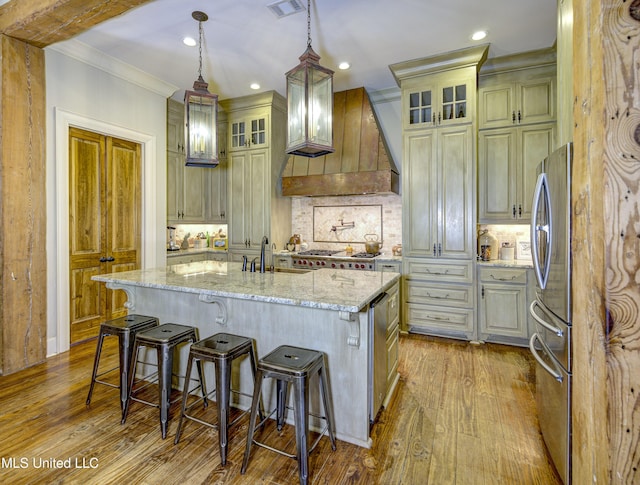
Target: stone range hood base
pixel 360 164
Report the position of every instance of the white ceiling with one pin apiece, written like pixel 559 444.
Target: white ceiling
pixel 244 42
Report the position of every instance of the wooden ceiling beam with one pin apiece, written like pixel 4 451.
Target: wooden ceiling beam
pixel 45 22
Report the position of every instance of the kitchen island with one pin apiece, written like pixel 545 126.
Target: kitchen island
pixel 327 310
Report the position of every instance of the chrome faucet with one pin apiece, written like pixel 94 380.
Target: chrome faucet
pixel 265 241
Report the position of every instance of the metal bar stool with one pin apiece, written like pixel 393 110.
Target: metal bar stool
pixel 221 349
pixel 292 365
pixel 164 339
pixel 125 328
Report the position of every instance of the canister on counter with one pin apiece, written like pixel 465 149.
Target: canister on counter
pixel 487 245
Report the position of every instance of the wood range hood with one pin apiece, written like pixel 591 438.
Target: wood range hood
pixel 360 164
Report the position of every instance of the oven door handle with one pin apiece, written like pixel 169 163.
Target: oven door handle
pixel 545 324
pixel 556 375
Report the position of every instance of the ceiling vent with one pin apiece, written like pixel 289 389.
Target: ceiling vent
pixel 286 7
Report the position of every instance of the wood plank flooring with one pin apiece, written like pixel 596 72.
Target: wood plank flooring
pixel 462 414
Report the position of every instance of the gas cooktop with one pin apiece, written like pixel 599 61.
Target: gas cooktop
pixel 318 252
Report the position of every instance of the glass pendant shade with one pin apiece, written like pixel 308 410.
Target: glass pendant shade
pixel 310 107
pixel 201 118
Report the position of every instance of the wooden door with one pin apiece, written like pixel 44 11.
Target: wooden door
pixel 104 225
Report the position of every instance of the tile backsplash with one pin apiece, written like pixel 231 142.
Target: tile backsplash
pixel 380 214
pixel 517 235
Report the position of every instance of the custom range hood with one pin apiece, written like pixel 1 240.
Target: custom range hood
pixel 360 164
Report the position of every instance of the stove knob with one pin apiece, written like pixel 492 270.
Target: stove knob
pixel 341 265
pixel 333 265
pixel 357 266
pixel 323 263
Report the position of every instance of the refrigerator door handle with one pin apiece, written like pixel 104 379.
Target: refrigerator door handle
pixel 556 375
pixel 545 324
pixel 542 273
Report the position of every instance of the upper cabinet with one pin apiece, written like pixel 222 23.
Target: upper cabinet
pixel 256 144
pixel 249 130
pixel 517 99
pixel 444 100
pixel 518 103
pixel 193 193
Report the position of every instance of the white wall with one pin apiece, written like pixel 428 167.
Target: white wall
pixel 87 89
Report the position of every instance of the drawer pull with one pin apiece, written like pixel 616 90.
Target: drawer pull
pixel 504 279
pixel 445 297
pixel 441 318
pixel 437 272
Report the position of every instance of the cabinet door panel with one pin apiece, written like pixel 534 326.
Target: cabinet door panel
pixel 497 174
pixel 420 197
pixel 457 193
pixel 258 198
pixel 503 310
pixel 536 143
pixel 496 108
pixel 194 202
pixel 238 168
pixel 536 101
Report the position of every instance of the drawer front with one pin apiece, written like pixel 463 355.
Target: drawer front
pixel 503 275
pixel 440 270
pixel 441 318
pixel 424 292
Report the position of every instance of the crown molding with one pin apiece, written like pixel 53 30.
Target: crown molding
pixel 93 57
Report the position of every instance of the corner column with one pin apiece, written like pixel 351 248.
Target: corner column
pixel 23 289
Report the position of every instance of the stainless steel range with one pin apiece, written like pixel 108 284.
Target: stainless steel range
pixel 325 258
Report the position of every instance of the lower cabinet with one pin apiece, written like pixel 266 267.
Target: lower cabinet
pixel 439 297
pixel 393 344
pixel 503 299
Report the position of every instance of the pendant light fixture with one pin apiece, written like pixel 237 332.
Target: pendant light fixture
pixel 310 104
pixel 201 115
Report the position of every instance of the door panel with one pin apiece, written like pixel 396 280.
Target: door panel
pixel 104 225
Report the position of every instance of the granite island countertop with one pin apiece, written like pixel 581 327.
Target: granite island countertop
pixel 329 289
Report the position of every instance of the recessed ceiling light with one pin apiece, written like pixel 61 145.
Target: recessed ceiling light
pixel 344 65
pixel 254 86
pixel 189 41
pixel 479 35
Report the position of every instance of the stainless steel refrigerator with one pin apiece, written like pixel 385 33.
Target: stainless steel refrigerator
pixel 551 310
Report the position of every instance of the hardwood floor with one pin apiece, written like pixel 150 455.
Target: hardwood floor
pixel 462 414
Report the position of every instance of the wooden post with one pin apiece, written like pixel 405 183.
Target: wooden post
pixel 606 242
pixel 23 295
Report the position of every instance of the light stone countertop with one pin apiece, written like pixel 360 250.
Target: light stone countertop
pixel 329 289
pixel 514 263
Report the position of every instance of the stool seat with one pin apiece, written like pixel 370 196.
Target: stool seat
pixel 293 361
pixel 221 349
pixel 292 365
pixel 125 329
pixel 164 338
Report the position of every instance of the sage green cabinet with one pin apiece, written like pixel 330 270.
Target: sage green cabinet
pixel 508 159
pixel 518 103
pixel 439 191
pixel 503 304
pixel 256 154
pixel 194 194
pixel 517 110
